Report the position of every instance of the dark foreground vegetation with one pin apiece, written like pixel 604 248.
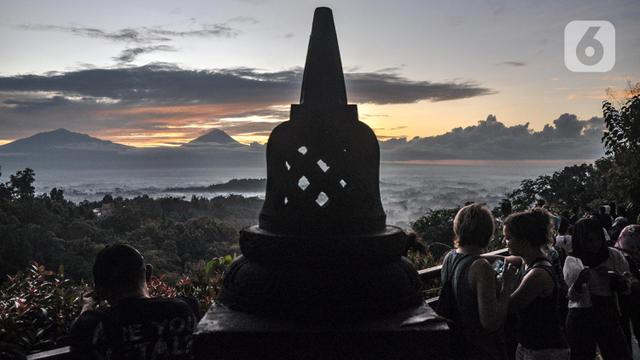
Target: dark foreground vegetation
pixel 191 242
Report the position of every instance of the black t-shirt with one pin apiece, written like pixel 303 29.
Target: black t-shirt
pixel 137 328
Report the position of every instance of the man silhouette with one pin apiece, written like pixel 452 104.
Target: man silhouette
pixel 134 325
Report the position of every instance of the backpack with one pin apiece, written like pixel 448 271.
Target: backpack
pixel 447 303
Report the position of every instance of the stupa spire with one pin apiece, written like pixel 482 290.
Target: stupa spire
pixel 323 80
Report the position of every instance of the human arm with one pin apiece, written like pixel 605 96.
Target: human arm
pixel 88 302
pixel 83 334
pixel 620 278
pixel 492 309
pixel 576 276
pixel 536 283
pixel 515 260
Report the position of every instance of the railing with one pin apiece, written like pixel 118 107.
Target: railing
pixel 429 276
pixel 61 353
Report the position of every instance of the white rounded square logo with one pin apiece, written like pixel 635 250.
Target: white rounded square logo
pixel 589 46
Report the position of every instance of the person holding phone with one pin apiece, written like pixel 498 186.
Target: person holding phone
pixel 132 324
pixel 596 275
pixel 536 300
pixel 477 302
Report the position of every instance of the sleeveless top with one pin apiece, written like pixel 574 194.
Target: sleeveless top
pixel 477 343
pixel 539 322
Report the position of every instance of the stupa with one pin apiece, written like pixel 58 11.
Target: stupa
pixel 321 260
pixel 322 248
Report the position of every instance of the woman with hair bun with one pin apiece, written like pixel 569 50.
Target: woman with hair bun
pixel 539 333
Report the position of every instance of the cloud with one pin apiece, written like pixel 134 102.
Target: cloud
pixel 248 128
pixel 162 97
pixel 213 30
pixel 122 35
pixel 514 63
pixel 568 138
pixel 391 88
pixel 128 55
pixel 243 20
pixel 36 104
pixel 139 35
pixel 167 83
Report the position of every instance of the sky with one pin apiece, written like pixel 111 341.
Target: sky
pixel 160 73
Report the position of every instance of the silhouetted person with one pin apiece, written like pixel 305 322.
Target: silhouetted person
pixel 563 239
pixel 536 300
pixel 629 243
pixel 620 222
pixel 134 325
pixel 595 275
pixel 471 296
pixel 415 244
pixel 576 215
pixel 604 217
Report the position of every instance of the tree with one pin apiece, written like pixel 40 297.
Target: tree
pixel 622 145
pixel 56 194
pixel 21 184
pixel 5 193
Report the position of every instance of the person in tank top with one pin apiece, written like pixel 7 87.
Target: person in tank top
pixel 536 300
pixel 479 301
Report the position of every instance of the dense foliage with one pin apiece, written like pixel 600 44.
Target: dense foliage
pixel 38 306
pixel 173 234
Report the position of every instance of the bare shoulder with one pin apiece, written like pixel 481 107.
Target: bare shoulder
pixel 539 279
pixel 480 269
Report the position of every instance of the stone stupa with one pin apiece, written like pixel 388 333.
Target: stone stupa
pixel 322 256
pixel 322 248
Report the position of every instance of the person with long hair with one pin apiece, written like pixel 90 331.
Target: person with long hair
pixel 536 300
pixel 595 274
pixel 629 243
pixel 478 301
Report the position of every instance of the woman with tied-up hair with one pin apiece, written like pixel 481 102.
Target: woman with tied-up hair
pixel 536 300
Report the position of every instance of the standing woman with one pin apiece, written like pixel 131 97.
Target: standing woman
pixel 629 243
pixel 478 301
pixel 536 301
pixel 595 275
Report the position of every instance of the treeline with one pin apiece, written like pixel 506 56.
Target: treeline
pixel 175 235
pixel 612 180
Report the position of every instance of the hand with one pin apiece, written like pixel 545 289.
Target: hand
pixel 617 282
pixel 88 303
pixel 583 278
pixel 509 278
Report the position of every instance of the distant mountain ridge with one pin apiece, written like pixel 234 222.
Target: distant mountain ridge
pixel 60 139
pixel 64 149
pixel 215 136
pixel 239 185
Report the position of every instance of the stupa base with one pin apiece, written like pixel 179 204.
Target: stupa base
pixel 412 334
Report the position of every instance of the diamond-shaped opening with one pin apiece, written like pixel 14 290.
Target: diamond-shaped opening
pixel 286 163
pixel 323 165
pixel 303 183
pixel 322 199
pixel 303 150
pixel 286 201
pixel 343 183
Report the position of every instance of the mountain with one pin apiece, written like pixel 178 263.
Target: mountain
pixel 64 149
pixel 60 139
pixel 215 136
